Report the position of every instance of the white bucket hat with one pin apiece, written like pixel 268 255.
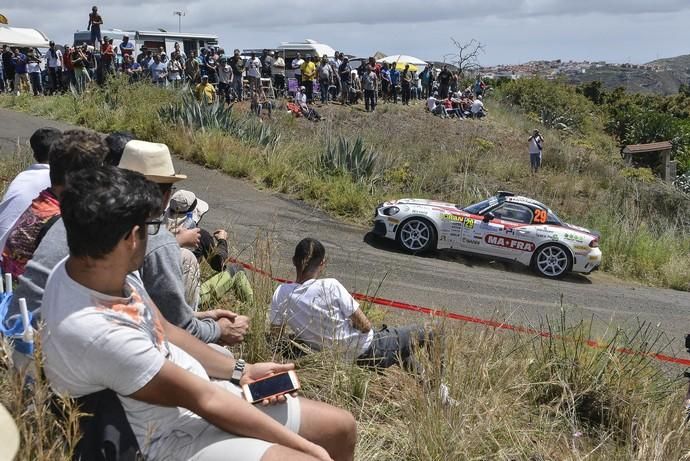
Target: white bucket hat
pixel 9 435
pixel 181 203
pixel 151 159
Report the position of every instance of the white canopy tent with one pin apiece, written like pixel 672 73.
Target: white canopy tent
pixel 23 38
pixel 403 59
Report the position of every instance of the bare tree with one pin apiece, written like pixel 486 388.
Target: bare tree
pixel 466 58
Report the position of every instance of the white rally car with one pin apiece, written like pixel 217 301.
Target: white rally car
pixel 505 226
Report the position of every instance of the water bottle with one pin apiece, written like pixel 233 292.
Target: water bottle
pixel 189 222
pixel 23 346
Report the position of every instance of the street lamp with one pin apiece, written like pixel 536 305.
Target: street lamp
pixel 179 15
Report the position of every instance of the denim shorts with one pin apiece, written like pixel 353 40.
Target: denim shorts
pixel 535 160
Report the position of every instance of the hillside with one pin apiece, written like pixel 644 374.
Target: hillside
pixel 641 80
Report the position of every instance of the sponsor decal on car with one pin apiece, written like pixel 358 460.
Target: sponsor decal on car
pixel 506 242
pixel 470 241
pixel 574 237
pixel 581 248
pixel 393 221
pixel 467 222
pixel 452 217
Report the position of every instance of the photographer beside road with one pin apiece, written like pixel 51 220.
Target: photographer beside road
pixel 536 143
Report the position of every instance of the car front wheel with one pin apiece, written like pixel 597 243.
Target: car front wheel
pixel 552 261
pixel 417 235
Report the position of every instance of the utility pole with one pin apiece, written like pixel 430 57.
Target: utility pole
pixel 179 15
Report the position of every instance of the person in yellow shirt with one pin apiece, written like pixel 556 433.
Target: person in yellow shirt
pixel 205 91
pixel 308 76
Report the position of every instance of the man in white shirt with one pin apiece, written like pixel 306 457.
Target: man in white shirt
pixel 477 109
pixel 297 67
pixel 54 61
pixel 536 143
pixel 278 70
pixel 254 73
pixel 102 331
pixel 29 183
pixel 322 314
pixel 434 107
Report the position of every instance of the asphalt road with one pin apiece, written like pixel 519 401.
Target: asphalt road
pixel 470 286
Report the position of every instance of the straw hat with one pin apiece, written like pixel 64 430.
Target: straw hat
pixel 151 159
pixel 9 436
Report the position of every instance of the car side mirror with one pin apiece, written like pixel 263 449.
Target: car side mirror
pixel 489 217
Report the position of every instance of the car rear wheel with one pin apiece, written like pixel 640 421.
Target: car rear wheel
pixel 417 235
pixel 552 261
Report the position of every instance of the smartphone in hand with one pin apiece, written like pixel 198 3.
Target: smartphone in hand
pixel 272 386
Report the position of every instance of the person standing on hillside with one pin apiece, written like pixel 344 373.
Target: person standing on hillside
pixel 369 81
pixel 536 143
pixel 325 72
pixel 444 82
pixel 395 81
pixel 406 83
pixel 278 72
pixel 308 76
pixel 95 23
pixel 297 67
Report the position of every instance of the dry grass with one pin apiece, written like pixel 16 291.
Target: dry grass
pixel 520 397
pixel 644 225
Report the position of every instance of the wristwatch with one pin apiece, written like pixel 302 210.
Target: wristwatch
pixel 238 371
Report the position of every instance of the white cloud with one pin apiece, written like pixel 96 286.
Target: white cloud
pixel 512 29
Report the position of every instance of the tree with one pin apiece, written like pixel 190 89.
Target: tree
pixel 466 58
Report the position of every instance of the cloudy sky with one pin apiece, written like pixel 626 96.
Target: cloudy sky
pixel 513 31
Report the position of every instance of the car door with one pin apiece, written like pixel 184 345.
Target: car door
pixel 506 236
pixel 474 234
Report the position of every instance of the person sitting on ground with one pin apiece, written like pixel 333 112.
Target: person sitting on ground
pixel 73 151
pixel 450 110
pixel 322 314
pixel 29 183
pixel 301 100
pixel 260 103
pixel 185 211
pixel 434 106
pixel 478 110
pixel 205 92
pixel 162 375
pixel 162 268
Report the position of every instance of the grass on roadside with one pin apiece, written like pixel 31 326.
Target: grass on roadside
pixel 518 396
pixel 645 224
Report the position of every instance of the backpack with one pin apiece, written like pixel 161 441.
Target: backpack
pixel 106 433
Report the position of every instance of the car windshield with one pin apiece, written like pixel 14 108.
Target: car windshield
pixel 479 207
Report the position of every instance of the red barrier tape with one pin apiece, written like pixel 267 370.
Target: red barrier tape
pixel 476 320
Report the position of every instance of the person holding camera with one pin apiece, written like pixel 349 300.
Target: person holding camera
pixel 536 143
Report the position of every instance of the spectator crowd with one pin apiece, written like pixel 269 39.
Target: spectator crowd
pixel 215 75
pixel 107 253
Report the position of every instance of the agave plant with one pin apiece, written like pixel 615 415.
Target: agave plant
pixel 344 156
pixel 192 113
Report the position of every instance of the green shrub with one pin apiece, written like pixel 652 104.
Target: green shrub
pixel 553 103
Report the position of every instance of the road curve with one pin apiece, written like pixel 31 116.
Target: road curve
pixel 469 286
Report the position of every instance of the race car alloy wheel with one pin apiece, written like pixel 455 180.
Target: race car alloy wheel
pixel 417 235
pixel 552 261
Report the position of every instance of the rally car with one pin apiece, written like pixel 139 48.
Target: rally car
pixel 505 226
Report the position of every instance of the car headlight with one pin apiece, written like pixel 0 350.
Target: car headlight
pixel 390 211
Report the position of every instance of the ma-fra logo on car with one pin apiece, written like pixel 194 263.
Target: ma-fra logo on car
pixel 506 242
